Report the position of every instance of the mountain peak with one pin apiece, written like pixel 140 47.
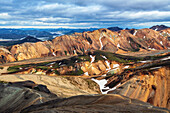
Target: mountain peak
pixel 30 39
pixel 114 28
pixel 159 27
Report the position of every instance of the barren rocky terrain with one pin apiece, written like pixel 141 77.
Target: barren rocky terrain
pixel 100 71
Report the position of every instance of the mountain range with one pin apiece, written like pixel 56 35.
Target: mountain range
pixel 14 42
pixel 45 34
pixel 123 41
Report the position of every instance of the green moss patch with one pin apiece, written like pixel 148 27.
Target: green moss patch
pixel 115 57
pixel 77 72
pixel 42 67
pixel 1 68
pixel 13 69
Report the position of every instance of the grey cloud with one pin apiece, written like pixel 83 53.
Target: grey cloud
pixel 100 13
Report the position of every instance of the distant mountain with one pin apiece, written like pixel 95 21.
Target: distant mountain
pixel 159 27
pixel 71 31
pixel 114 28
pixel 27 39
pixel 126 28
pixel 38 33
pixel 18 33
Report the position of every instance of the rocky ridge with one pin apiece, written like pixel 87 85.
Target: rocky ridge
pixel 16 96
pixel 60 86
pixel 94 104
pixel 148 82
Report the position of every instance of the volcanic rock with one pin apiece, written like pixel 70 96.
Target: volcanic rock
pixel 94 104
pixel 6 56
pixel 61 86
pixel 148 83
pixel 14 98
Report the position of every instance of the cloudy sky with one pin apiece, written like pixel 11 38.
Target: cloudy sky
pixel 83 13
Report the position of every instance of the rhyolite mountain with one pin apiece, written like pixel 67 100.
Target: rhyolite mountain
pixel 123 41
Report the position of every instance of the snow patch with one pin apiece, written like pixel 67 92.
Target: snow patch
pixel 50 63
pixel 156 67
pixel 156 29
pixel 167 58
pixel 104 75
pixel 135 32
pixel 111 89
pixel 54 54
pixel 88 43
pixel 115 87
pixel 145 61
pixel 104 57
pixel 101 42
pixel 86 73
pixel 74 52
pixel 118 45
pixel 101 84
pixel 152 48
pixel 116 65
pixel 92 58
pixel 161 42
pixel 108 64
pixel 126 67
